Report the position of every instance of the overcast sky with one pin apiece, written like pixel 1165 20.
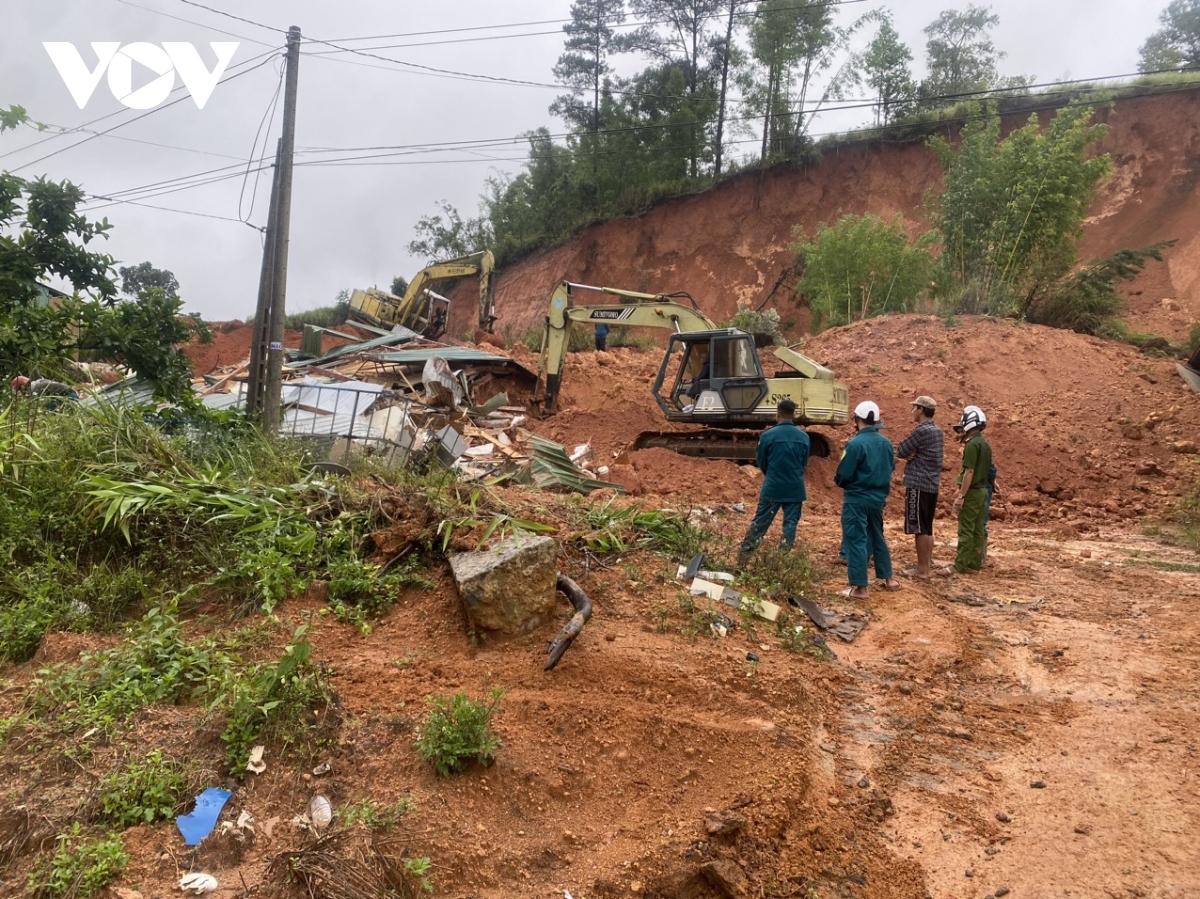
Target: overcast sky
pixel 351 222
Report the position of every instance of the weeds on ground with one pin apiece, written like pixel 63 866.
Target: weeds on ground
pixel 143 792
pixel 374 815
pixel 154 665
pixel 358 592
pixel 612 528
pixel 699 616
pixel 418 869
pixel 778 573
pixel 274 700
pixel 81 868
pixel 800 638
pixel 457 730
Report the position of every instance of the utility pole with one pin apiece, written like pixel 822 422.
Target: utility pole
pixel 257 381
pixel 283 210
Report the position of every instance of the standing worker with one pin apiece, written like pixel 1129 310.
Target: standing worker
pixel 865 476
pixel 924 449
pixel 782 458
pixel 601 337
pixel 972 501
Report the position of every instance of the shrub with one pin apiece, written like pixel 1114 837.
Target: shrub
pixel 273 699
pixel 458 730
pixel 1088 301
pixel 155 665
pixel 322 316
pixel 143 792
pixel 862 266
pixel 1193 343
pixel 764 323
pixel 80 868
pixel 1012 208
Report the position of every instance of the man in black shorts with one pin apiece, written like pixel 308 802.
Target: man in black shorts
pixel 923 450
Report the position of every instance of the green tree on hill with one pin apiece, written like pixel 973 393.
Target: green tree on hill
pixel 1012 208
pixel 790 45
pixel 862 266
pixel 885 67
pixel 1176 44
pixel 43 234
pixel 137 278
pixel 960 53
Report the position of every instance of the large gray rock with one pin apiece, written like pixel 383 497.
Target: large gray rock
pixel 509 589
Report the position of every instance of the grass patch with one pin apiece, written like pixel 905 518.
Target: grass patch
pixel 143 792
pixel 80 868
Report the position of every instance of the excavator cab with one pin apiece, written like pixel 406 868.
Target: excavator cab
pixel 715 378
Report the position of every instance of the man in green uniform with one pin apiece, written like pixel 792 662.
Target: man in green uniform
pixel 972 502
pixel 865 476
pixel 782 458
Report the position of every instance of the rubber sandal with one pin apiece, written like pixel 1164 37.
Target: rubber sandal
pixel 849 594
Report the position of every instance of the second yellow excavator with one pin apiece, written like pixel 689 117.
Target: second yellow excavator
pixel 709 376
pixel 422 310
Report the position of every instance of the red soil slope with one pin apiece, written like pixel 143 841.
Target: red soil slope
pixel 730 245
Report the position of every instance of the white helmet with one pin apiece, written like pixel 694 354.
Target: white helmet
pixel 867 411
pixel 972 417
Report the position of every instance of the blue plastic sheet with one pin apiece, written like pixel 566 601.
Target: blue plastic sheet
pixel 199 824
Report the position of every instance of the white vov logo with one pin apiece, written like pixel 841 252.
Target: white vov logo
pixel 171 57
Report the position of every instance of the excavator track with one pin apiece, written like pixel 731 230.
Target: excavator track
pixel 715 443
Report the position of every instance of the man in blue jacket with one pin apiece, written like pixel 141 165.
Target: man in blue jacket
pixel 865 476
pixel 782 458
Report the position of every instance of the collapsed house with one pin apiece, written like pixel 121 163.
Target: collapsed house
pixel 401 399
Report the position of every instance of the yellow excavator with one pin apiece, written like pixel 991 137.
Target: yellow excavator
pixel 421 309
pixel 709 376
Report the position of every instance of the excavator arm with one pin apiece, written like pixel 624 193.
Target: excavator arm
pixel 631 309
pixel 417 309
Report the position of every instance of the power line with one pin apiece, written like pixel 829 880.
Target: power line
pixel 270 112
pixel 207 215
pixel 159 12
pixel 611 24
pixel 230 15
pixel 201 179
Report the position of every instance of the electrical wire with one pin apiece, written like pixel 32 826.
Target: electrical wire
pixel 159 12
pixel 270 112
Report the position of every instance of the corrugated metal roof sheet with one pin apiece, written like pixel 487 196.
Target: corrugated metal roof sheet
pixel 393 339
pixel 129 392
pixel 452 354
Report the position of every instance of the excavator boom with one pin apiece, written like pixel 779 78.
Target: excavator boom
pixel 422 310
pixel 709 376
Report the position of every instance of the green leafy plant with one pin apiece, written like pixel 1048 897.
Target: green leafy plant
pixel 80 868
pixel 1013 207
pixel 156 664
pixel 418 870
pixel 375 816
pixel 615 528
pixel 457 730
pixel 862 266
pixel 143 792
pixel 1088 301
pixel 273 699
pixel 763 323
pixel 357 590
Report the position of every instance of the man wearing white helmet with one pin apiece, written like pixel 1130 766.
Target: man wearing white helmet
pixel 971 503
pixel 865 476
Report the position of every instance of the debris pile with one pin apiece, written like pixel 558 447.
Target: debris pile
pixel 402 400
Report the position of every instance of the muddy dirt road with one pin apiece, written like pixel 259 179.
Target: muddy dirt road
pixel 1036 727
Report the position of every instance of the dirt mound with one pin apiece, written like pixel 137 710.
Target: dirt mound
pixel 232 341
pixel 730 244
pixel 1081 427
